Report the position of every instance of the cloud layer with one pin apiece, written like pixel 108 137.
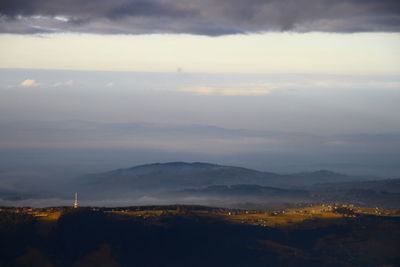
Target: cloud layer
pixel 67 83
pixel 206 17
pixel 29 83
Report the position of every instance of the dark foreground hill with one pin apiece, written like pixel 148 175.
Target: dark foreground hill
pixel 86 237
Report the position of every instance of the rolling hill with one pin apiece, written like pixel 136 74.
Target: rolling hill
pixel 194 175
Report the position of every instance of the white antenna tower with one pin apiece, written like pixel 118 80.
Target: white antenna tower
pixel 76 200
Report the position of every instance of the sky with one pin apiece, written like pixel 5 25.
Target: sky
pixel 288 52
pixel 237 82
pixel 257 36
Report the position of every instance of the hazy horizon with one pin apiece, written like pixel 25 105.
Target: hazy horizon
pixel 56 123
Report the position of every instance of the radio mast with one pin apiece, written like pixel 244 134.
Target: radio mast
pixel 76 200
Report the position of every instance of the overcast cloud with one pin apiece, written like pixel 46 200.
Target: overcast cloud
pixel 206 17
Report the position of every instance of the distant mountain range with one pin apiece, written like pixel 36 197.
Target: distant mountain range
pixel 197 175
pixel 218 185
pixel 383 186
pixel 213 184
pixel 382 193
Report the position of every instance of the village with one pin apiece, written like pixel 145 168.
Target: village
pixel 272 218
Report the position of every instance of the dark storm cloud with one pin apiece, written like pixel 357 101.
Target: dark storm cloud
pixel 206 17
pixel 147 8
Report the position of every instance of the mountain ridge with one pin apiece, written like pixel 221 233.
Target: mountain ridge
pixel 202 174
